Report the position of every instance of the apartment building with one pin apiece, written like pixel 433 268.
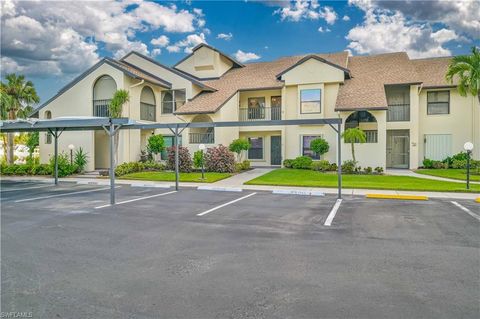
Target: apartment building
pixel 405 106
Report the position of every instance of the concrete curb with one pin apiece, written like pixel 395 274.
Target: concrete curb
pixel 149 185
pixel 297 192
pixel 220 189
pixel 401 197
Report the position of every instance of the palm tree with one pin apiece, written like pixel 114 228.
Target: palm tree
pixel 467 69
pixel 17 95
pixel 115 109
pixel 352 136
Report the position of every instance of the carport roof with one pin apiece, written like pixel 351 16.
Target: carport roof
pixel 62 123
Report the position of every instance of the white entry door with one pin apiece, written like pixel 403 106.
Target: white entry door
pixel 438 146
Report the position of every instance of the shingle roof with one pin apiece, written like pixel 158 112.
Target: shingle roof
pixel 258 75
pixel 432 71
pixel 370 74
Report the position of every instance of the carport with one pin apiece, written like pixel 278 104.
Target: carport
pixel 110 125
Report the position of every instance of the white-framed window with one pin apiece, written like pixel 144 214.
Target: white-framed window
pixel 310 101
pixel 172 100
pixel 255 152
pixel 438 102
pixel 306 151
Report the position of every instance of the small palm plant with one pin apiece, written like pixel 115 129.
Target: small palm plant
pixel 352 136
pixel 115 109
pixel 467 69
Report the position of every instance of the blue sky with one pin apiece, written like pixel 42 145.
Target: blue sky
pixel 52 42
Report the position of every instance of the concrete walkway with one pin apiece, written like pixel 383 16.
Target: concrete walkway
pixel 407 172
pixel 237 180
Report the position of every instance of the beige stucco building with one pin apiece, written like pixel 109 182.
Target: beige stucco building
pixel 405 106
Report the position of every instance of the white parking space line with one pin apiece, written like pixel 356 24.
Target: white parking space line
pixel 226 204
pixel 466 210
pixel 63 194
pixel 22 188
pixel 136 199
pixel 333 212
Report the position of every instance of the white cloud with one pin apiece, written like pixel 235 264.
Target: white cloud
pixel 323 30
pixel 65 36
pixel 173 49
pixel 329 15
pixel 346 18
pixel 460 16
pixel 384 32
pixel 246 56
pixel 306 9
pixel 225 36
pixel 161 41
pixel 191 41
pixel 156 52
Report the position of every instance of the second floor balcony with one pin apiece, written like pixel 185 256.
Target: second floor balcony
pixel 260 113
pixel 201 138
pixel 398 113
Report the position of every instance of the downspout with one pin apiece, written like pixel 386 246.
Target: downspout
pixel 129 108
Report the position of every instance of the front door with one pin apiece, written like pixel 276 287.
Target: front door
pixel 398 149
pixel 275 150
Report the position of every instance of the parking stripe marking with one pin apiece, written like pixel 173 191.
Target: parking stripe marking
pixel 466 210
pixel 333 212
pixel 63 194
pixel 22 188
pixel 226 204
pixel 137 199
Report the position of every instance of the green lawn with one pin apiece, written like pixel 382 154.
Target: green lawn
pixel 452 173
pixel 298 177
pixel 170 176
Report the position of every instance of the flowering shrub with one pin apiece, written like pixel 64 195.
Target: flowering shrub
pixel 184 159
pixel 219 159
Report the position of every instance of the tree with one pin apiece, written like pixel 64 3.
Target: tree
pixel 17 97
pixel 155 144
pixel 115 109
pixel 239 145
pixel 467 69
pixel 32 142
pixel 319 146
pixel 352 136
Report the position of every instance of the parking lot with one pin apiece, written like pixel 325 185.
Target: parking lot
pixel 158 253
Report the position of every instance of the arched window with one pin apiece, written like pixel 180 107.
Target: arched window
pixel 202 135
pixel 366 122
pixel 103 91
pixel 147 104
pixel 48 137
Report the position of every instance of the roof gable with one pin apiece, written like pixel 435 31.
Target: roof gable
pixel 315 57
pixel 202 45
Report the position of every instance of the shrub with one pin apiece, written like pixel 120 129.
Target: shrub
pixel 439 165
pixel 459 164
pixel 288 163
pixel 198 159
pixel 155 144
pixel 302 162
pixel 243 166
pixel 128 168
pixel 323 166
pixel 319 146
pixel 153 166
pixel 368 170
pixel 184 159
pixel 219 159
pixel 462 156
pixel 80 159
pixel 333 167
pixel 41 169
pixel 427 163
pixel 348 167
pixel 64 166
pixel 379 170
pixel 239 145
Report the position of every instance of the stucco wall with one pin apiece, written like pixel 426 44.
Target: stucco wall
pixel 205 63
